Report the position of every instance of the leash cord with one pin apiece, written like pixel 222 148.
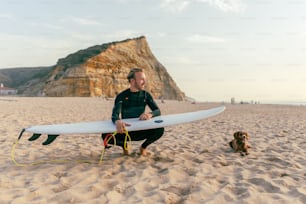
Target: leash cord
pixel 106 140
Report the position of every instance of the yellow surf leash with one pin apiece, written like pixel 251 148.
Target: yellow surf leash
pixel 109 137
pixel 127 137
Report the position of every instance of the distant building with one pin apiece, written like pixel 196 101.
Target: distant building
pixel 4 91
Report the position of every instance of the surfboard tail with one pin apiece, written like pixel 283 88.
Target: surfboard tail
pixel 35 136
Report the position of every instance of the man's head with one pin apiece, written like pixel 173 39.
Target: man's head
pixel 137 79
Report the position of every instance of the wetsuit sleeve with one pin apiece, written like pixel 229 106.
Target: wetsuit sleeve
pixel 153 106
pixel 117 109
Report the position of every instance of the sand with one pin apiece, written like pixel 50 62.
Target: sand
pixel 191 163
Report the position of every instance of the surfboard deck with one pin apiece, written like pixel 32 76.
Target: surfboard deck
pixel 135 124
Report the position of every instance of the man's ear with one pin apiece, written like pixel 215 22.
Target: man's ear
pixel 132 80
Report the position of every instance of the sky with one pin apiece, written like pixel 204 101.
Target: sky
pixel 252 50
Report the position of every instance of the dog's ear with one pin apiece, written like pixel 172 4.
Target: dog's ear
pixel 247 135
pixel 236 135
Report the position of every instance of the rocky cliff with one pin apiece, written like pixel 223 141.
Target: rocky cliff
pixel 101 70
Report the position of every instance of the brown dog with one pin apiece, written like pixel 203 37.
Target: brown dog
pixel 240 143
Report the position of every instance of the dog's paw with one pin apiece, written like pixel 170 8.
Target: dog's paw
pixel 244 153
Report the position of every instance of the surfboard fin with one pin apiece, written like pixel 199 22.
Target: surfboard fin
pixel 34 137
pixel 50 139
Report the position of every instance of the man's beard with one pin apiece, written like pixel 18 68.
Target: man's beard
pixel 139 87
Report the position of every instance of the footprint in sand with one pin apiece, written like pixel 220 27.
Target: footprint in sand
pixel 180 191
pixel 162 159
pixel 267 187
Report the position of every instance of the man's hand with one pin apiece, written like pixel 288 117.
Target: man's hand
pixel 145 116
pixel 120 126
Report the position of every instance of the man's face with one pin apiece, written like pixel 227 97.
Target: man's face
pixel 139 81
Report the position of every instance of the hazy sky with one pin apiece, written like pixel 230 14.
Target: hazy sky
pixel 214 49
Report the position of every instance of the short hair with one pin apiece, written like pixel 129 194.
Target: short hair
pixel 131 74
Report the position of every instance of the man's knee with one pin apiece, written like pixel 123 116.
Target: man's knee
pixel 157 133
pixel 160 131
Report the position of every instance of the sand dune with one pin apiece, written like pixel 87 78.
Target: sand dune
pixel 191 163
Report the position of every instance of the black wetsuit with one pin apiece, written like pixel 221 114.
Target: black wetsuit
pixel 131 105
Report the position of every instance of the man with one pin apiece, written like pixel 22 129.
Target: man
pixel 131 103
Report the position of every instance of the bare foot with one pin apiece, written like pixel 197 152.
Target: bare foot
pixel 125 152
pixel 143 152
pixel 127 149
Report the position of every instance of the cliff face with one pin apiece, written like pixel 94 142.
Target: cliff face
pixel 101 71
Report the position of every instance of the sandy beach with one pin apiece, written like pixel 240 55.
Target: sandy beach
pixel 191 163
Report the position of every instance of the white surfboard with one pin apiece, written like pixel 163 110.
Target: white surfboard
pixel 135 123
